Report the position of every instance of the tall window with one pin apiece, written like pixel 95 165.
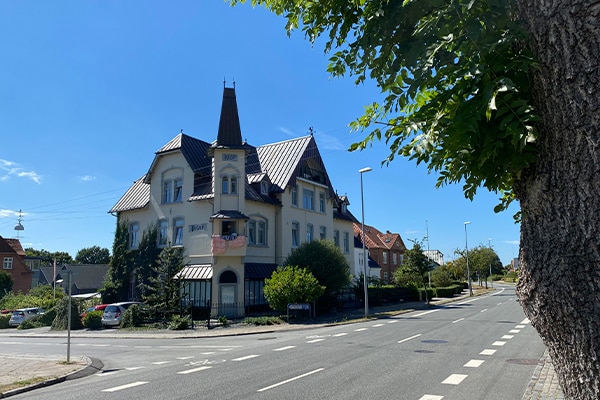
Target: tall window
pixel 134 239
pixel 385 257
pixel 309 232
pixel 252 232
pixel 234 188
pixel 346 242
pixel 308 199
pixel 163 229
pixel 167 195
pixel 322 202
pixel 294 195
pixel 361 258
pixel 261 237
pixel 178 232
pixel 336 237
pixel 264 187
pixel 322 232
pixel 295 234
pixel 8 263
pixel 229 185
pixel 225 185
pixel 178 190
pixel 395 258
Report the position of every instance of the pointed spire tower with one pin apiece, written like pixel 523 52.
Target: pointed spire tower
pixel 230 133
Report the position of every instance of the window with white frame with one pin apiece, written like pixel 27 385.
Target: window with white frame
pixel 225 185
pixel 178 190
pixel 309 232
pixel 234 185
pixel 346 242
pixel 361 258
pixel 7 263
pixel 229 184
pixel 163 231
pixel 336 237
pixel 385 257
pixel 134 235
pixel 295 234
pixel 167 193
pixel 251 232
pixel 322 232
pixel 294 196
pixel 308 197
pixel 178 232
pixel 322 202
pixel 395 258
pixel 261 233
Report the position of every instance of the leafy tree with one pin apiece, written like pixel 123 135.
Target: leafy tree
pixel 418 263
pixel 93 255
pixel 6 283
pixel 498 94
pixel 116 284
pixel 480 260
pixel 291 284
pixel 325 261
pixel 61 257
pixel 146 259
pixel 441 276
pixel 162 292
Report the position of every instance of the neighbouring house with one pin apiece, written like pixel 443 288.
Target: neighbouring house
pixel 13 262
pixel 386 249
pixel 373 269
pixel 85 278
pixel 435 256
pixel 235 209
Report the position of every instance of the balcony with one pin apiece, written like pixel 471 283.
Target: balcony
pixel 228 245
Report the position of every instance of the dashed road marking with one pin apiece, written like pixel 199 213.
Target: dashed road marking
pixel 487 352
pixel 340 334
pixel 360 329
pixel 409 338
pixel 315 341
pixel 122 387
pixel 498 343
pixel 190 371
pixel 507 337
pixel 284 348
pixel 454 379
pixel 431 397
pixel 458 320
pixel 514 331
pixel 245 357
pixel 290 380
pixel 473 363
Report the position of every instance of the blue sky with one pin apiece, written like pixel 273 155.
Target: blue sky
pixel 89 90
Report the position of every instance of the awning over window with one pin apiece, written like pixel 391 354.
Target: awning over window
pixel 195 272
pixel 258 270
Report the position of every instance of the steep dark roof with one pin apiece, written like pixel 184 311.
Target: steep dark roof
pixel 12 246
pixel 229 214
pixel 230 134
pixel 136 197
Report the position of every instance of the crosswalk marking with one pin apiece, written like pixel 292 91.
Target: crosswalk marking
pixel 454 379
pixel 473 363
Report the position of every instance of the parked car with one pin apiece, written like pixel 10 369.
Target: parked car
pixel 99 307
pixel 24 314
pixel 113 313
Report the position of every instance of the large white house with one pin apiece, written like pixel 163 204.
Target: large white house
pixel 235 209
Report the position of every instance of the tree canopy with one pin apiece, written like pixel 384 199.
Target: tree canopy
pixel 93 255
pixel 47 257
pixel 291 284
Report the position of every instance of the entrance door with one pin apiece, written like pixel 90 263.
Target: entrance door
pixel 227 300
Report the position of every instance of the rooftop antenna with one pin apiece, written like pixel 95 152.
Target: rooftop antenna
pixel 19 226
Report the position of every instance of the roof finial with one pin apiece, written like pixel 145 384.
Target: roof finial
pixel 224 82
pixel 311 130
pixel 181 131
pixel 234 83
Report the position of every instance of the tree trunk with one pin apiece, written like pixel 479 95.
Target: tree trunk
pixel 559 284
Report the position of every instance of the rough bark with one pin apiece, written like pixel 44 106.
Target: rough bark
pixel 559 286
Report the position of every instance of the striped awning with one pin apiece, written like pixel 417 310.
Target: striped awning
pixel 195 272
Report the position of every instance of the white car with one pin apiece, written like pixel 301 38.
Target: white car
pixel 24 314
pixel 113 313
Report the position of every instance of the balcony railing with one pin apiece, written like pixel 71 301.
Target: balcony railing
pixel 229 245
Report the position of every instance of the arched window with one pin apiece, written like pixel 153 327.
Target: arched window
pixel 228 277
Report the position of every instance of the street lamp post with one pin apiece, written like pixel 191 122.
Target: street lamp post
pixel 365 261
pixel 491 277
pixel 467 257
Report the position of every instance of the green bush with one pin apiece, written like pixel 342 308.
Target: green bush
pixel 60 323
pixel 259 321
pixel 47 318
pixel 179 323
pixel 4 321
pixel 132 317
pixel 430 294
pixel 93 320
pixel 448 291
pixel 223 320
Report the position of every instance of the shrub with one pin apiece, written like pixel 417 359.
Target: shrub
pixel 132 317
pixel 4 321
pixel 179 323
pixel 60 323
pixel 260 321
pixel 448 291
pixel 223 320
pixel 93 319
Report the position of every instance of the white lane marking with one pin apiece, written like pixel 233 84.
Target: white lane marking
pixel 189 371
pixel 409 338
pixel 454 379
pixel 340 334
pixel 208 353
pixel 291 380
pixel 507 337
pixel 246 357
pixel 484 310
pixel 99 345
pixel 458 320
pixel 360 329
pixel 160 362
pixel 284 348
pixel 431 397
pixel 133 368
pixel 185 358
pixel 473 363
pixel 425 313
pixel 498 343
pixel 520 327
pixel 377 325
pixel 392 321
pixel 488 352
pixel 315 341
pixel 142 347
pixel 525 321
pixel 514 331
pixel 129 385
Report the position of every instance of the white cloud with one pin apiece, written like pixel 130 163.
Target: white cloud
pixel 8 213
pixel 10 168
pixel 87 178
pixel 513 242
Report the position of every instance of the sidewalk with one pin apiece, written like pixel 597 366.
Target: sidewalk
pixel 27 372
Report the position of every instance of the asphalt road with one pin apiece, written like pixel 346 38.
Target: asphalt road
pixel 479 348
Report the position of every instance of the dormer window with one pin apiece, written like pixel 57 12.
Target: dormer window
pixel 344 208
pixel 264 188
